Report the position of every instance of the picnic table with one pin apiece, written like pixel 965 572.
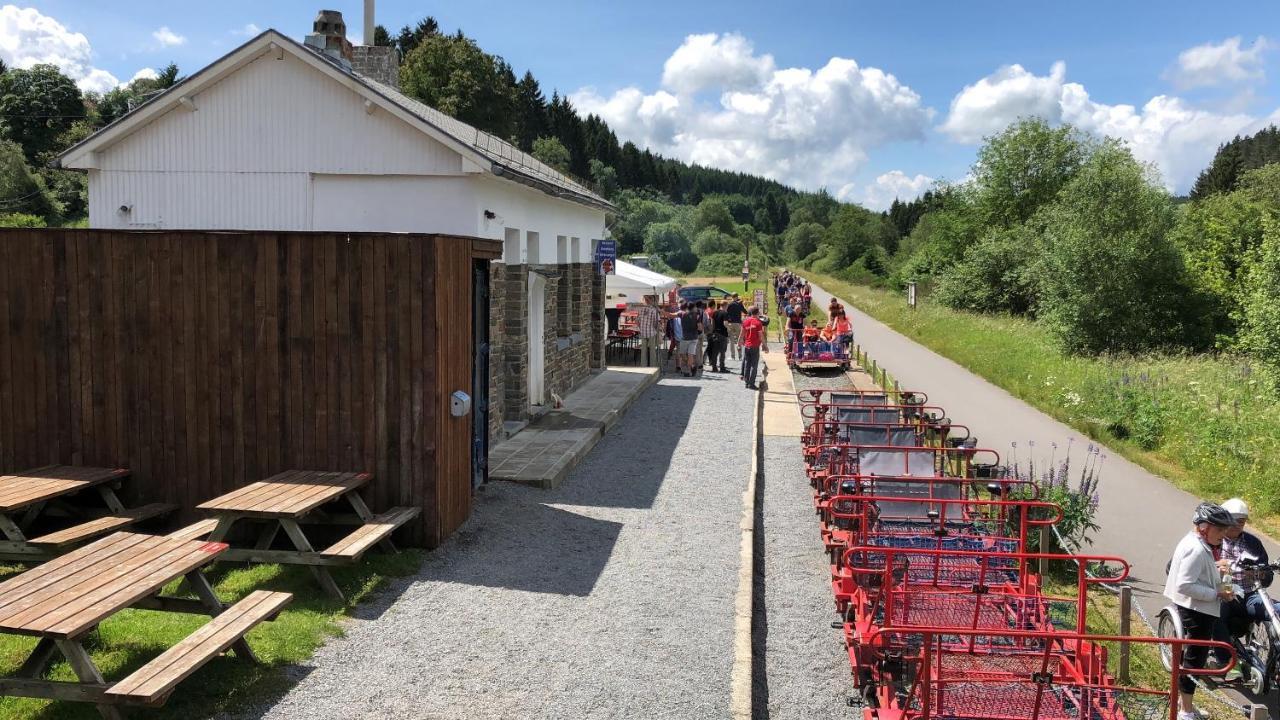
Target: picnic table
pixel 43 493
pixel 62 601
pixel 293 498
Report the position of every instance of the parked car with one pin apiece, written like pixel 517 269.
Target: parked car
pixel 694 293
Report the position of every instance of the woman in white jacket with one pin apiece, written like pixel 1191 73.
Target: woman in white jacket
pixel 1193 586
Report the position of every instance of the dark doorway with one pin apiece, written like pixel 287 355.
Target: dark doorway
pixel 480 373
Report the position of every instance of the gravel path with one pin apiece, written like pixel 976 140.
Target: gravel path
pixel 610 597
pixel 805 662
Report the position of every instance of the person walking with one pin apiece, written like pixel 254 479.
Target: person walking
pixel 734 312
pixel 649 327
pixel 690 337
pixel 1193 585
pixel 720 336
pixel 753 341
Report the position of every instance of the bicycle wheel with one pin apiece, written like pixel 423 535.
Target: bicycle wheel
pixel 1168 625
pixel 1262 646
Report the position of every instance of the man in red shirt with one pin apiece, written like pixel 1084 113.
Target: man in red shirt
pixel 753 340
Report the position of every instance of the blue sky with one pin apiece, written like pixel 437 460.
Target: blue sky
pixel 869 100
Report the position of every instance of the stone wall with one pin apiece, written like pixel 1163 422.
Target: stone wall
pixel 497 350
pixel 571 342
pixel 599 323
pixel 380 63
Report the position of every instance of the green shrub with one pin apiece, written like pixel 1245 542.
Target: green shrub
pixel 1260 331
pixel 996 274
pixel 21 220
pixel 1111 279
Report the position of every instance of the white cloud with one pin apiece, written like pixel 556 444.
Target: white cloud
pixel 167 37
pixel 1167 131
pixel 1219 64
pixel 893 185
pixel 711 61
pixel 249 30
pixel 145 73
pixel 28 38
pixel 1009 93
pixel 808 128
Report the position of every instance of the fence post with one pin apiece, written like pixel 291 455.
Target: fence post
pixel 1126 614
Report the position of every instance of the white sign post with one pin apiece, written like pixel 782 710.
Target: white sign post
pixel 911 294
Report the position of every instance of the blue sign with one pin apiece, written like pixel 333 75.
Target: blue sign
pixel 607 256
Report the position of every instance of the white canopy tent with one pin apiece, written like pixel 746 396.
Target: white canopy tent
pixel 630 283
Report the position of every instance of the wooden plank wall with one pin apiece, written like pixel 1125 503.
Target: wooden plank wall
pixel 453 498
pixel 205 360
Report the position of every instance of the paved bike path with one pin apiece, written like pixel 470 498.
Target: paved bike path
pixel 1142 515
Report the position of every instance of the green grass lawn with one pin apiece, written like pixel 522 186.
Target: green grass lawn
pixel 131 638
pixel 1204 423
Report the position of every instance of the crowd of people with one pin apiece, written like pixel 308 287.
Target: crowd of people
pixel 705 334
pixel 794 295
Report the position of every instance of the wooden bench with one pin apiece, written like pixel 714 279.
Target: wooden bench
pixel 58 492
pixel 292 498
pixel 375 530
pixel 196 530
pixel 63 600
pixel 152 683
pixel 101 526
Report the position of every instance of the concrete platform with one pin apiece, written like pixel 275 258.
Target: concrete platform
pixel 545 451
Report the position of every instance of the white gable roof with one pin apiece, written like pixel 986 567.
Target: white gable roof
pixel 490 154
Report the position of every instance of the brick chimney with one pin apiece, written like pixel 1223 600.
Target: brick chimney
pixel 376 63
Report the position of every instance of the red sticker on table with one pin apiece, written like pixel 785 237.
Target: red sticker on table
pixel 213 547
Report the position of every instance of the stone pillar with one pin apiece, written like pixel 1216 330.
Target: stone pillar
pixel 497 350
pixel 599 327
pixel 515 349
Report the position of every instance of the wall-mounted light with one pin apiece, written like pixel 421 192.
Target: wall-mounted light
pixel 125 209
pixel 489 215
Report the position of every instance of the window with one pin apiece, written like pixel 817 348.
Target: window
pixel 511 246
pixel 534 253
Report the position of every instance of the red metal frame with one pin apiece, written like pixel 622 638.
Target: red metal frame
pixel 811 396
pixel 1069 664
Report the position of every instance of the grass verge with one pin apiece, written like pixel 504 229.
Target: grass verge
pixel 129 639
pixel 1205 423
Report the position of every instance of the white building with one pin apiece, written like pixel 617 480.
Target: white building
pixel 278 135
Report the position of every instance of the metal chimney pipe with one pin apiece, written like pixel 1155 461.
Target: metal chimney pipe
pixel 368 22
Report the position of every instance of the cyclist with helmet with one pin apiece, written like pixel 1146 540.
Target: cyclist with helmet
pixel 1240 547
pixel 1192 586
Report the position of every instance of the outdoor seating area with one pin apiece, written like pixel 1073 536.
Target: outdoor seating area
pixel 67 506
pixel 290 499
pixel 63 601
pixel 69 591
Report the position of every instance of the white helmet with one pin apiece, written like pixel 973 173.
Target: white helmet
pixel 1238 508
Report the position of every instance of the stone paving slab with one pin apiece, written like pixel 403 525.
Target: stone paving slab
pixel 545 451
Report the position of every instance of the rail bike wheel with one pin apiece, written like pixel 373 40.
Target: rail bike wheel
pixel 1168 625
